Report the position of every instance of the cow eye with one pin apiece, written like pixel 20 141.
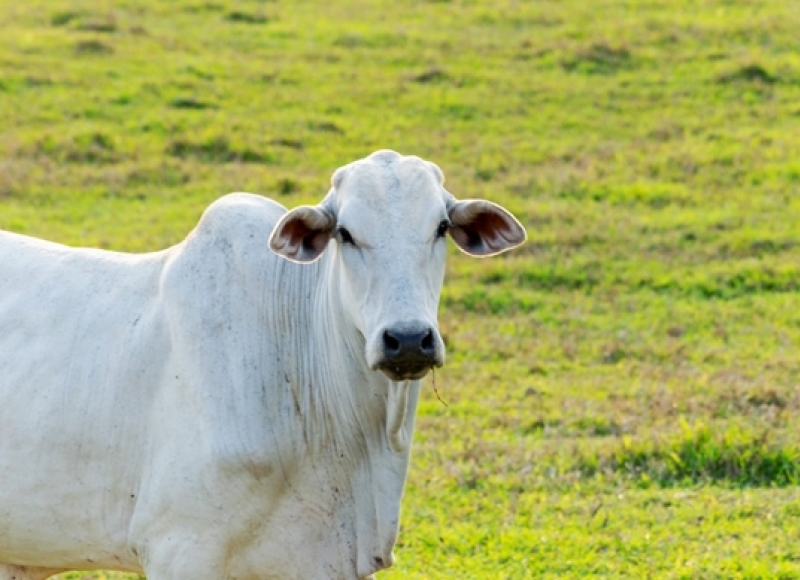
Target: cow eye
pixel 345 236
pixel 442 229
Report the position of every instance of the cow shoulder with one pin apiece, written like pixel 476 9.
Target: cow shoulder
pixel 222 257
pixel 240 215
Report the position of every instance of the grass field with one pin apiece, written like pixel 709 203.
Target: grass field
pixel 623 392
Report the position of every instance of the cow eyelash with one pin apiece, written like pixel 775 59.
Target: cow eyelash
pixel 442 229
pixel 345 236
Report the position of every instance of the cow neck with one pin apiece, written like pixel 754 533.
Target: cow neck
pixel 345 401
pixel 367 421
pixel 328 418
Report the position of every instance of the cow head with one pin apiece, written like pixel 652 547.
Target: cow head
pixel 385 220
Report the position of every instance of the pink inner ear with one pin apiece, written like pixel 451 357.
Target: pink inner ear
pixel 303 239
pixel 493 229
pixel 303 234
pixel 482 228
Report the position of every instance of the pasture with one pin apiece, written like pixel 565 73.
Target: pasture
pixel 622 393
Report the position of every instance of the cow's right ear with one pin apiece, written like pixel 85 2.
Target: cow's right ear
pixel 302 234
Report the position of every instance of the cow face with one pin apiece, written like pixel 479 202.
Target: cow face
pixel 385 221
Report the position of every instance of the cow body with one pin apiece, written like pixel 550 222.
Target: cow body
pixel 209 411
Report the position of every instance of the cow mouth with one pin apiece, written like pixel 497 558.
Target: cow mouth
pixel 404 372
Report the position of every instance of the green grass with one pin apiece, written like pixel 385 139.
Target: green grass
pixel 622 391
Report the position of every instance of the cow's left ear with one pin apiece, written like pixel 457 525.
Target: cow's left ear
pixel 302 234
pixel 483 228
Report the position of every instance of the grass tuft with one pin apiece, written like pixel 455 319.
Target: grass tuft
pixel 190 103
pixel 290 143
pixel 247 17
pixel 327 127
pixel 599 58
pixel 431 75
pixel 95 47
pixel 287 186
pixel 64 18
pixel 93 147
pixel 216 150
pixel 702 456
pixel 750 73
pixel 107 24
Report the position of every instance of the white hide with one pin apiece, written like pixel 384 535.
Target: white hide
pixel 213 411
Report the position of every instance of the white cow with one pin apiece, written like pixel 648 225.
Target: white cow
pixel 218 410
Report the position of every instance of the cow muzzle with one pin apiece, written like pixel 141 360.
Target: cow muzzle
pixel 408 353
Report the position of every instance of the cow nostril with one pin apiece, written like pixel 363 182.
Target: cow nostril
pixel 427 341
pixel 390 342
